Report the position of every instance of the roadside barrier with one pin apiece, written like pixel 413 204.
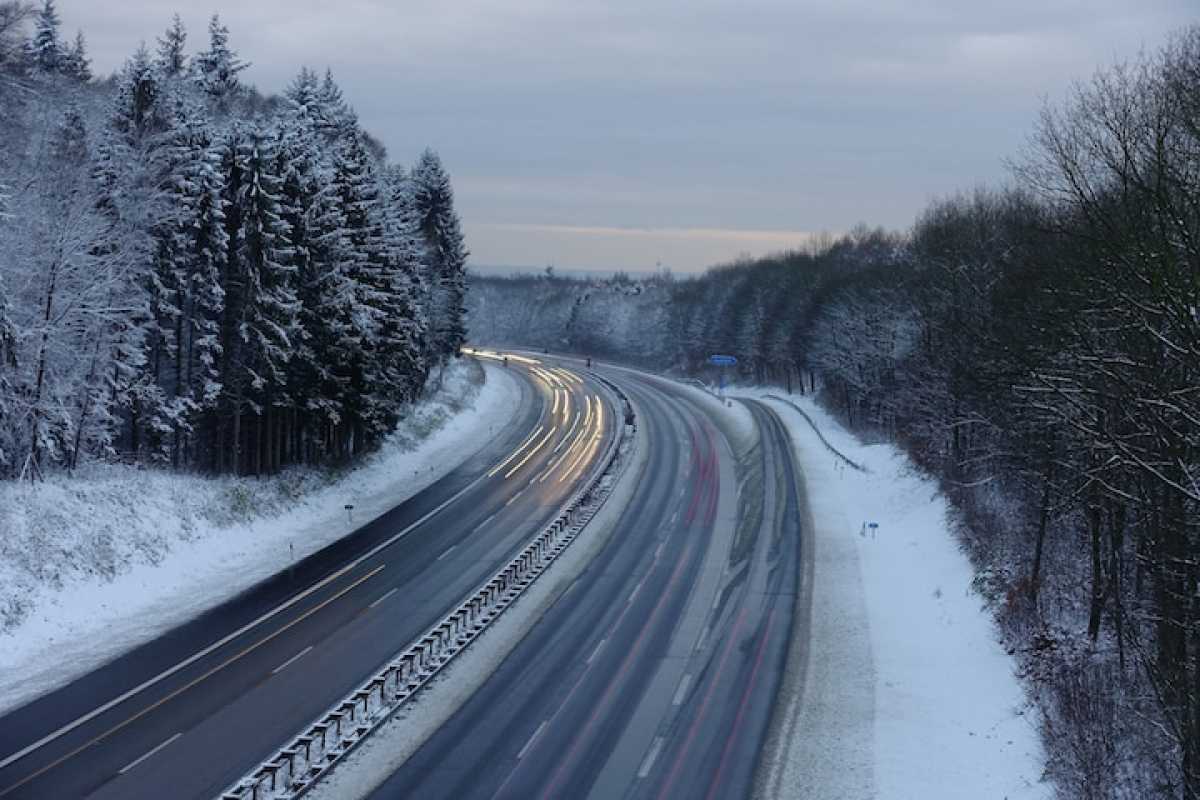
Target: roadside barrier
pixel 297 767
pixel 853 464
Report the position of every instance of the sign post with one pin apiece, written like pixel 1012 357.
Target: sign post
pixel 722 362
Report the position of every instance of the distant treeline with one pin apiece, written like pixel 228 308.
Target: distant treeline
pixel 1038 349
pixel 197 275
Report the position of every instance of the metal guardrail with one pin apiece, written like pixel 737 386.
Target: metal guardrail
pixel 296 768
pixel 851 462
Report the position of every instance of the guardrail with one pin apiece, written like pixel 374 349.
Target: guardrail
pixel 296 768
pixel 851 462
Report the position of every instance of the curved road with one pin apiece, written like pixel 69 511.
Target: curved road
pixel 187 714
pixel 655 674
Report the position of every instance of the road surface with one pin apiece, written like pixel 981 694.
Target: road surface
pixel 654 675
pixel 188 714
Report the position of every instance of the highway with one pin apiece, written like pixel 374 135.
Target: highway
pixel 654 675
pixel 187 714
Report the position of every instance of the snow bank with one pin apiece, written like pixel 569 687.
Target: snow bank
pixel 95 565
pixel 894 616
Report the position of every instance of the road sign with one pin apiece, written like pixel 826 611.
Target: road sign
pixel 722 361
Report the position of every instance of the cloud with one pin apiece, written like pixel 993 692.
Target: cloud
pixel 677 114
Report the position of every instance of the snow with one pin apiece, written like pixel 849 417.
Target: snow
pixel 393 743
pixel 906 692
pixel 95 565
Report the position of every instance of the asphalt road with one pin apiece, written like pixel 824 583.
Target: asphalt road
pixel 187 714
pixel 654 675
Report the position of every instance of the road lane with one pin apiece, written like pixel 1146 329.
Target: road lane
pixel 230 705
pixel 601 697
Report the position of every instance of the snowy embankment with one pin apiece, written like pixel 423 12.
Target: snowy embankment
pixel 94 565
pixel 901 688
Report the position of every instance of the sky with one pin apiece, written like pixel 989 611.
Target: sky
pixel 637 134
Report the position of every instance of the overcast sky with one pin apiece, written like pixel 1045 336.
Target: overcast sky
pixel 628 133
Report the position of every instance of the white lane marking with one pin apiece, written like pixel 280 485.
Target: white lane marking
pixel 636 589
pixel 133 764
pixel 192 659
pixel 703 638
pixel 485 522
pixel 291 660
pixel 385 596
pixel 658 550
pixel 532 739
pixel 449 550
pixel 675 517
pixel 595 652
pixel 651 757
pixel 513 499
pixel 684 684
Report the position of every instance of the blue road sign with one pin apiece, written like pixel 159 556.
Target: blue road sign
pixel 723 361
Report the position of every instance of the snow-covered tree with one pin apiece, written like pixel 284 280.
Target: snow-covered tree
pixel 139 108
pixel 260 301
pixel 76 63
pixel 172 58
pixel 217 67
pixel 446 255
pixel 47 51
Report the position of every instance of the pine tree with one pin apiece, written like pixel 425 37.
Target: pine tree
pixel 318 379
pixel 303 93
pixel 46 50
pixel 138 110
pixel 76 63
pixel 217 67
pixel 191 244
pixel 338 120
pixel 390 364
pixel 172 60
pixel 446 266
pixel 260 302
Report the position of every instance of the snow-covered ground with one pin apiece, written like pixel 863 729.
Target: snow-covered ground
pixel 94 565
pixel 906 691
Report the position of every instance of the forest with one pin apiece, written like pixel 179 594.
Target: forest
pixel 1036 348
pixel 197 275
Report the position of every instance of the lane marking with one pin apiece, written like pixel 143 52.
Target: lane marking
pixel 385 596
pixel 741 712
pixel 134 763
pixel 651 757
pixel 485 522
pixel 685 683
pixel 532 739
pixel 658 550
pixel 599 647
pixel 188 686
pixel 449 550
pixel 88 717
pixel 513 499
pixel 294 659
pixel 636 589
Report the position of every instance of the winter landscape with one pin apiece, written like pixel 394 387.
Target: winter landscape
pixel 630 463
